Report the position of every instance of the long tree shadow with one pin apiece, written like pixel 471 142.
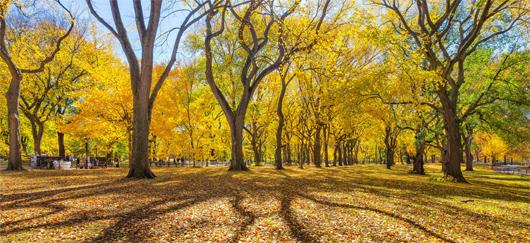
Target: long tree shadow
pixel 143 212
pixel 297 229
pixel 389 214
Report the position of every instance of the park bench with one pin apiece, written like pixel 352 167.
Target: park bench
pixel 46 162
pixel 98 162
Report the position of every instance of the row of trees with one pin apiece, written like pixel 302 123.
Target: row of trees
pixel 326 82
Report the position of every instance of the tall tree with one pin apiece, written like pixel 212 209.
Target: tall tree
pixel 254 69
pixel 255 23
pixel 16 72
pixel 447 33
pixel 141 70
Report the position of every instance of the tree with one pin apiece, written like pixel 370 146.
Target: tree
pixel 446 33
pixel 141 70
pixel 47 94
pixel 16 72
pixel 254 70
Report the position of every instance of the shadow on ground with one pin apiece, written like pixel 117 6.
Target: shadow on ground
pixel 364 202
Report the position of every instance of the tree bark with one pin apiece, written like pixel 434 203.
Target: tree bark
pixel 335 153
pixel 419 157
pixel 236 132
pixel 279 129
pixel 356 151
pixel 326 139
pixel 317 158
pixel 340 153
pixel 15 147
pixel 139 166
pixel 452 129
pixel 389 147
pixel 37 131
pixel 468 140
pixel 60 142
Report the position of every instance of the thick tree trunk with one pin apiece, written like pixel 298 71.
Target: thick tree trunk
pixel 60 142
pixel 15 147
pixel 452 129
pixel 236 132
pixel 139 166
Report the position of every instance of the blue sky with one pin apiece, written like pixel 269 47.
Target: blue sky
pixel 162 51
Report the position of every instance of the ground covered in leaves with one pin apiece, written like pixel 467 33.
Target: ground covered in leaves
pixel 361 202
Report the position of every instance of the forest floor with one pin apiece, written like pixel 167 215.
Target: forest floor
pixel 360 202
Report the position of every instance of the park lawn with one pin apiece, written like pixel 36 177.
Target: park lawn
pixel 360 202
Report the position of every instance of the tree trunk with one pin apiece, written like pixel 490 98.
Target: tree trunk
pixel 419 157
pixel 317 158
pixel 345 152
pixel 255 148
pixel 389 158
pixel 279 129
pixel 389 149
pixel 326 139
pixel 15 147
pixel 60 141
pixel 289 158
pixel 37 131
pixel 340 153
pixel 139 167
pixel 335 154
pixel 468 140
pixel 452 129
pixel 356 151
pixel 236 132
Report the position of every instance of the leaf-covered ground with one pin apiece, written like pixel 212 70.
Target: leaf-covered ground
pixel 361 202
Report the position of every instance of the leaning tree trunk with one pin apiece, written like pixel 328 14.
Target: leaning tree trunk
pixel 279 129
pixel 15 147
pixel 139 166
pixel 60 142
